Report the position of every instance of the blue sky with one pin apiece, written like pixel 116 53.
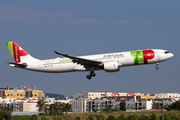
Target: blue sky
pixel 91 27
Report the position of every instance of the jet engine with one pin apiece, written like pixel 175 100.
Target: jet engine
pixel 111 66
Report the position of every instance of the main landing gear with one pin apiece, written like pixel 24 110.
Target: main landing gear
pixel 157 67
pixel 92 74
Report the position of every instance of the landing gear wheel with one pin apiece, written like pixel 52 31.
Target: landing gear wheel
pixel 157 67
pixel 93 74
pixel 88 77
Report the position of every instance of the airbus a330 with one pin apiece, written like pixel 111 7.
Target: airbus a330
pixel 109 62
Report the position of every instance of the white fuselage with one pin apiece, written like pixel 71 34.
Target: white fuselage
pixel 60 65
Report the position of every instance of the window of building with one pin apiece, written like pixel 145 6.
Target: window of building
pixel 17 94
pixel 7 94
pixel 14 94
pixel 11 94
pixel 20 94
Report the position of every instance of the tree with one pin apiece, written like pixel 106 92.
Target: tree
pixel 175 105
pixel 156 105
pixel 57 108
pixel 144 117
pixel 78 118
pixel 68 107
pixel 44 118
pixel 132 117
pixel 121 117
pixel 115 110
pixel 100 117
pixel 111 117
pixel 175 117
pixel 4 114
pixel 153 117
pixel 90 117
pixel 108 109
pixel 46 109
pixel 41 105
pixel 34 117
pixel 123 106
pixel 57 118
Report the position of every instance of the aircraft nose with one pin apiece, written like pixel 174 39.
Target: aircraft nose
pixel 171 55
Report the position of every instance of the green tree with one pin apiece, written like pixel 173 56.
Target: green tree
pixel 22 118
pixel 100 117
pixel 56 109
pixel 4 114
pixel 34 117
pixel 167 117
pixel 123 106
pixel 57 118
pixel 44 118
pixel 132 117
pixel 68 107
pixel 90 117
pixel 121 117
pixel 156 105
pixel 108 109
pixel 78 118
pixel 46 109
pixel 175 117
pixel 41 105
pixel 111 117
pixel 153 117
pixel 115 110
pixel 175 105
pixel 143 117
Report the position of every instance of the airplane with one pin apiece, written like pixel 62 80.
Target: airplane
pixel 109 62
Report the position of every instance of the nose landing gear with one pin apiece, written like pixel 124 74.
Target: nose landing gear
pixel 157 67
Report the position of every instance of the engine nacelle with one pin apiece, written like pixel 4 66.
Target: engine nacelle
pixel 111 66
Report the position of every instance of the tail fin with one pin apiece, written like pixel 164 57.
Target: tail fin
pixel 18 53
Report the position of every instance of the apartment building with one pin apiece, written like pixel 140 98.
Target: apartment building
pixel 22 93
pixel 86 105
pixel 139 105
pixel 175 96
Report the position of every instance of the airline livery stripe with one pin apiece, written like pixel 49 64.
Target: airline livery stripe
pixel 10 46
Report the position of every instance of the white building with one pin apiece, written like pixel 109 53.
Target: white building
pixel 80 105
pixel 176 96
pixel 86 105
pixel 89 95
pixel 94 95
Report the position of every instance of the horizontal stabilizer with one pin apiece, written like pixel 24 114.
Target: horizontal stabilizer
pixel 23 65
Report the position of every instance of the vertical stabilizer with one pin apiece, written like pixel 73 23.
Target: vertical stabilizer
pixel 18 53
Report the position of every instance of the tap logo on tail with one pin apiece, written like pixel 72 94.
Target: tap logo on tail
pixel 16 51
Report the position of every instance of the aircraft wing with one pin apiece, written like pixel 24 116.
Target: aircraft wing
pixel 82 61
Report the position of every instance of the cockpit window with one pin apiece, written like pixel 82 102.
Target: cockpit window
pixel 166 52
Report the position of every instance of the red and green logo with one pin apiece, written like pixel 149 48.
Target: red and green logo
pixel 142 56
pixel 16 51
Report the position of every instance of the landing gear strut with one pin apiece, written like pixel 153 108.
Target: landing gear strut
pixel 157 67
pixel 92 74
